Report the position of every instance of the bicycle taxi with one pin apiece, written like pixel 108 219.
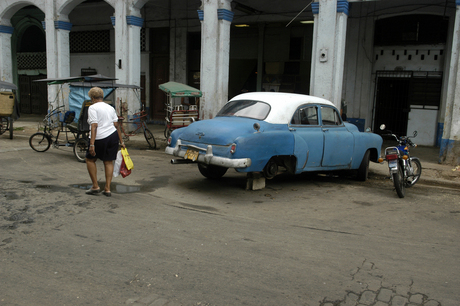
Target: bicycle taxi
pixel 177 115
pixel 68 126
pixel 7 107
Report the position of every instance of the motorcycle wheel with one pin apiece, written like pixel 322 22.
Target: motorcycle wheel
pixel 398 181
pixel 417 171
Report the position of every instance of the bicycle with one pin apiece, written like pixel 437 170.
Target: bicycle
pixel 55 121
pixel 139 120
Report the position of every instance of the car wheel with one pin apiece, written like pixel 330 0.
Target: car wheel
pixel 211 171
pixel 363 170
pixel 270 169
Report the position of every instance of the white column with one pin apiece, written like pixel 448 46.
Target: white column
pixel 328 54
pixel 6 63
pixel 52 62
pixel 450 143
pixel 215 47
pixel 62 30
pixel 340 44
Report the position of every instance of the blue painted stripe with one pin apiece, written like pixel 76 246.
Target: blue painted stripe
pixel 447 145
pixel 223 14
pixel 62 25
pixel 342 6
pixel 439 132
pixel 200 14
pixel 113 20
pixel 315 7
pixel 135 21
pixel 6 29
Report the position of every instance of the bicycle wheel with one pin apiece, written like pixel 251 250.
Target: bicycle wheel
pixel 80 148
pixel 416 172
pixel 10 127
pixel 40 142
pixel 150 139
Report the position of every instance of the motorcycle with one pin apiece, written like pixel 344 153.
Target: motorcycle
pixel 405 170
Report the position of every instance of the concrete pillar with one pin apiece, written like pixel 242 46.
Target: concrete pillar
pixel 62 30
pixel 52 61
pixel 450 143
pixel 127 54
pixel 216 18
pixel 328 53
pixel 6 63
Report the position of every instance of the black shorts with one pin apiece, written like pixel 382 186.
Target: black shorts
pixel 106 149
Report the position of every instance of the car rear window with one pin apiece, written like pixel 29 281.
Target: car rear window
pixel 245 108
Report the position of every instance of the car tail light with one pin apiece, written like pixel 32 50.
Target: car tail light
pixel 405 157
pixel 233 148
pixel 169 140
pixel 380 160
pixel 391 156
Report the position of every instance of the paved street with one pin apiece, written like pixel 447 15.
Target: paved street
pixel 167 236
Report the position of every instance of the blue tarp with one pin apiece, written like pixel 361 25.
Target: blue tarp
pixel 78 95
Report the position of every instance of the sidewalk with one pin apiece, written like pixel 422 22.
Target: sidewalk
pixel 433 173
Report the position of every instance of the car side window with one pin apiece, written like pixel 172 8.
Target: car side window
pixel 330 116
pixel 305 116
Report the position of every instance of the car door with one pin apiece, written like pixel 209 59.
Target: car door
pixel 308 137
pixel 338 141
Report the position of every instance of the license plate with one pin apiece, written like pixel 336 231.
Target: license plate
pixel 191 154
pixel 393 163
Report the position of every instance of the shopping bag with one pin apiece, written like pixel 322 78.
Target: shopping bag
pixel 117 164
pixel 128 162
pixel 123 170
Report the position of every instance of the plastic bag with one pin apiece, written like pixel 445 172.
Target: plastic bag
pixel 127 159
pixel 117 164
pixel 123 170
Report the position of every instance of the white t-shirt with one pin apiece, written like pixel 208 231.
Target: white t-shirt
pixel 104 115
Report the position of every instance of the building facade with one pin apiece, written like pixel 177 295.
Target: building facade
pixel 392 61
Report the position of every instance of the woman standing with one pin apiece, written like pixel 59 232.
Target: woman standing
pixel 105 137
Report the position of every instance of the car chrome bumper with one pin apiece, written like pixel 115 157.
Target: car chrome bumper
pixel 208 158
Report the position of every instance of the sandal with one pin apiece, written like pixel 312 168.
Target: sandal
pixel 93 191
pixel 107 193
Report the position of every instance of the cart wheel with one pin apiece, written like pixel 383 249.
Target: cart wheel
pixel 150 139
pixel 10 127
pixel 167 132
pixel 80 148
pixel 40 142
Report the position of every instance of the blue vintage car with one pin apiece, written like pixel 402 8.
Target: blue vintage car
pixel 267 131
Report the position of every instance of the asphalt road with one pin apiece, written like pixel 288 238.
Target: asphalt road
pixel 167 236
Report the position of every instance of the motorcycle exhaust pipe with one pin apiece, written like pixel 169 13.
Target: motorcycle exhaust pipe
pixel 181 161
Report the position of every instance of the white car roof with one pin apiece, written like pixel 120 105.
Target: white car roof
pixel 283 105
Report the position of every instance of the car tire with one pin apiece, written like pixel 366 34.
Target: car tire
pixel 211 171
pixel 363 170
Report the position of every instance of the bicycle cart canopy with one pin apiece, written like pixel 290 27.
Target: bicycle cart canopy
pixel 175 89
pixel 7 85
pixel 88 78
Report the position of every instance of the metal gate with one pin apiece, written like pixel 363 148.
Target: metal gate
pixel 398 91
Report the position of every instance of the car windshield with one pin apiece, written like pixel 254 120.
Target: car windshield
pixel 245 108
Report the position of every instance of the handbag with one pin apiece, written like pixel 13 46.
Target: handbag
pixel 117 164
pixel 127 159
pixel 123 170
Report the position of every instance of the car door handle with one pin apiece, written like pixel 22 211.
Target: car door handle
pixel 291 129
pixel 325 130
